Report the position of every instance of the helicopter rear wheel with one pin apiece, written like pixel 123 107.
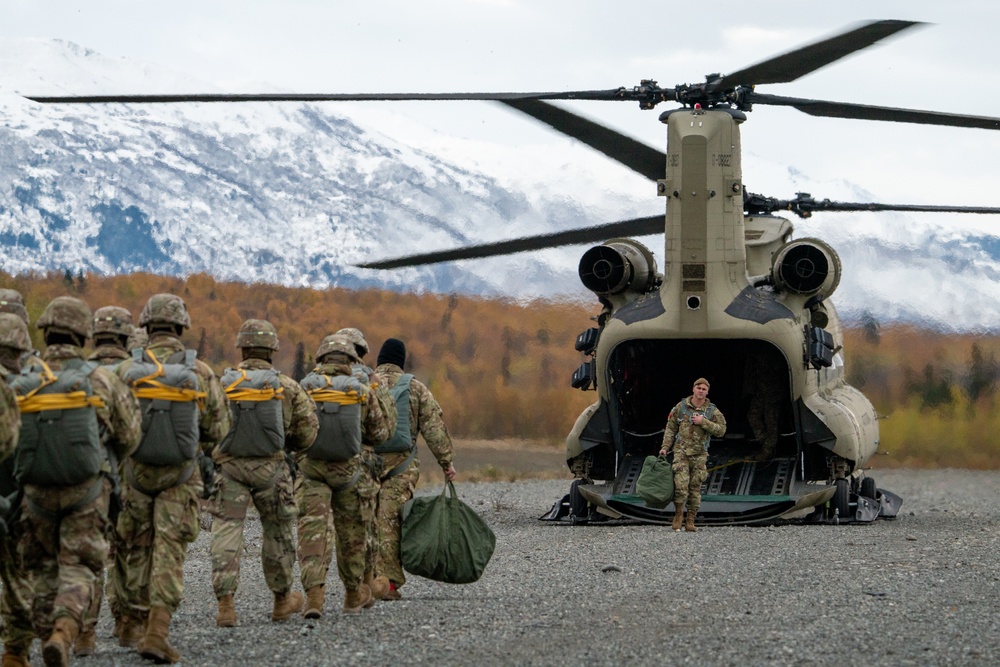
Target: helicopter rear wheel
pixel 868 488
pixel 840 505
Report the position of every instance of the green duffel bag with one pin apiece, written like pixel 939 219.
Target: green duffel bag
pixel 656 482
pixel 444 539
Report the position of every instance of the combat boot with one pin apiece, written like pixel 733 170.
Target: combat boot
pixel 133 628
pixel 379 586
pixel 154 644
pixel 285 605
pixel 689 523
pixel 314 602
pixel 358 599
pixel 14 660
pixel 678 519
pixel 56 649
pixel 86 643
pixel 119 625
pixel 227 612
pixel 393 592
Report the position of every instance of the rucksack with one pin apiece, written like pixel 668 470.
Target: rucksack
pixel 60 441
pixel 255 403
pixel 170 400
pixel 402 440
pixel 338 406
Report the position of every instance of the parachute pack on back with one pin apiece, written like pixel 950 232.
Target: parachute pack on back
pixel 338 407
pixel 169 397
pixel 255 403
pixel 60 442
pixel 402 440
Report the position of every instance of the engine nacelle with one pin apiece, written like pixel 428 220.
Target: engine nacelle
pixel 617 266
pixel 806 266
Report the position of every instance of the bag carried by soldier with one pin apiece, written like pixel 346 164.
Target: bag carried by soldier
pixel 656 482
pixel 338 406
pixel 169 398
pixel 444 539
pixel 255 403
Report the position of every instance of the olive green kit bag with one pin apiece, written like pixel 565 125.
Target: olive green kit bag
pixel 656 482
pixel 444 539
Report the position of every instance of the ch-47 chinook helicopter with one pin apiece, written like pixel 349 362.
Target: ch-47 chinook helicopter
pixel 739 302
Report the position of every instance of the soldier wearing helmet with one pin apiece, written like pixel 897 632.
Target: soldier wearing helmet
pixel 112 330
pixel 418 414
pixel 185 414
pixel 12 302
pixel 68 400
pixel 336 484
pixel 271 414
pixel 15 608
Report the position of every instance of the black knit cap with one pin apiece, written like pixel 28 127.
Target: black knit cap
pixel 393 352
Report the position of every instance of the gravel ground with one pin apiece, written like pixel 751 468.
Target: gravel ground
pixel 923 589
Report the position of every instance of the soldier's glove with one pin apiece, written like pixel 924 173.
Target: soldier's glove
pixel 207 467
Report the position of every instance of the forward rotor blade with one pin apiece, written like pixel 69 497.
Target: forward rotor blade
pixel 613 94
pixel 635 155
pixel 868 206
pixel 802 61
pixel 635 227
pixel 868 112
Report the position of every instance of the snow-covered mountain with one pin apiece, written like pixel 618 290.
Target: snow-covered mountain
pixel 297 194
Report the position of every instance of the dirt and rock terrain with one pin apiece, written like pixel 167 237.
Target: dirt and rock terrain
pixel 921 590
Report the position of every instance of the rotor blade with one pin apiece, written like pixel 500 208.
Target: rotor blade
pixel 635 227
pixel 827 205
pixel 635 155
pixel 613 94
pixel 868 112
pixel 802 61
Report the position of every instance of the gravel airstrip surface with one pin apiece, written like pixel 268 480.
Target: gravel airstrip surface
pixel 921 590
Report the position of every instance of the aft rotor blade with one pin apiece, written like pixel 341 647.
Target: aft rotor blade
pixel 867 206
pixel 869 112
pixel 635 227
pixel 794 64
pixel 635 155
pixel 613 94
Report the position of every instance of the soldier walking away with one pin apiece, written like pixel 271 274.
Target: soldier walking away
pixel 112 328
pixel 270 413
pixel 15 600
pixel 12 302
pixel 335 482
pixel 691 425
pixel 184 413
pixel 418 413
pixel 71 410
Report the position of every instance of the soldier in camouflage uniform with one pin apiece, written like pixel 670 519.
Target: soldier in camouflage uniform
pixel 691 425
pixel 336 482
pixel 112 328
pixel 162 502
pixel 63 526
pixel 419 415
pixel 763 384
pixel 15 602
pixel 252 467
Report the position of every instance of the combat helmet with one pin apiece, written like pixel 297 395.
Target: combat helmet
pixel 113 320
pixel 337 343
pixel 14 333
pixel 11 301
pixel 356 337
pixel 165 309
pixel 257 333
pixel 66 314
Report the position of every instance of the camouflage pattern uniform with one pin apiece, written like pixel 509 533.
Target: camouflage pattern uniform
pixel 343 491
pixel 62 544
pixel 689 442
pixel 426 419
pixel 162 503
pixel 763 385
pixel 266 481
pixel 15 602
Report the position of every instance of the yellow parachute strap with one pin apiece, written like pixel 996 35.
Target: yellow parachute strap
pixel 334 396
pixel 159 391
pixel 48 377
pixel 70 401
pixel 157 373
pixel 267 394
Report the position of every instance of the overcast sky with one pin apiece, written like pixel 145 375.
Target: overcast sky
pixel 529 45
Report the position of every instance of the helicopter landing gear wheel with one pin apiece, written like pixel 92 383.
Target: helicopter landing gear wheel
pixel 868 488
pixel 840 505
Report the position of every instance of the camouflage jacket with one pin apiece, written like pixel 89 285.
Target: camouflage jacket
pixel 120 419
pixel 375 425
pixel 108 355
pixel 298 412
pixel 684 434
pixel 426 416
pixel 380 388
pixel 10 420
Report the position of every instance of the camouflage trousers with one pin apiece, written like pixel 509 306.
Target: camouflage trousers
pixel 155 530
pixel 763 418
pixel 63 549
pixel 392 495
pixel 268 484
pixel 690 472
pixel 341 495
pixel 15 601
pixel 94 611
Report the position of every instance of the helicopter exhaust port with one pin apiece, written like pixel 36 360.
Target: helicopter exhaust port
pixel 806 266
pixel 617 266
